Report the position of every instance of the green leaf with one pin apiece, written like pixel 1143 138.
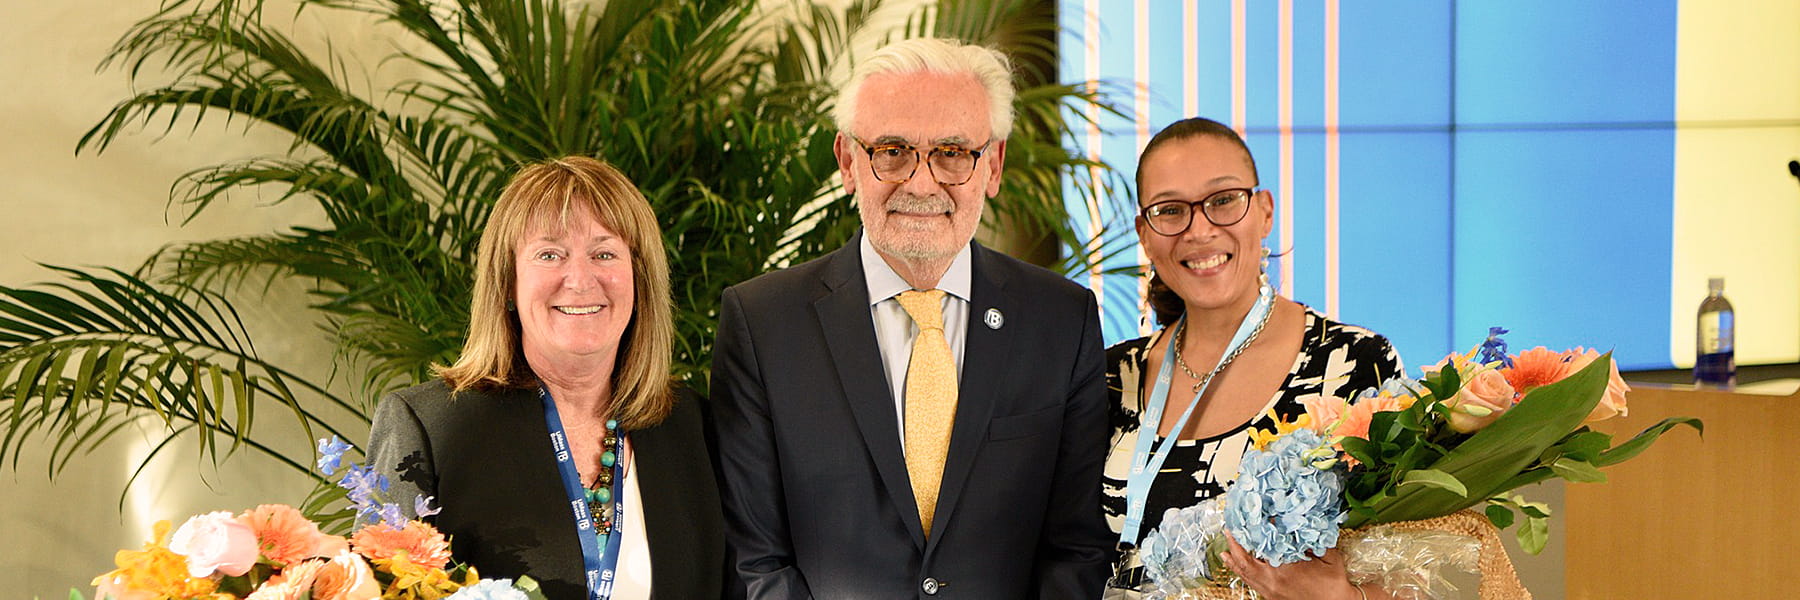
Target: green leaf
pixel 530 587
pixel 1577 471
pixel 1643 439
pixel 1434 479
pixel 1584 444
pixel 1534 534
pixel 1500 515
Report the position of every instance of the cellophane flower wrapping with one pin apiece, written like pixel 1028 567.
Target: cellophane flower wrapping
pixel 1410 563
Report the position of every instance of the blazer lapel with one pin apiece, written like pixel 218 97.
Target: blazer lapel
pixel 984 354
pixel 850 335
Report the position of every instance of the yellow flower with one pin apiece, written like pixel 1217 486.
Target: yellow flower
pixel 415 582
pixel 1261 438
pixel 154 572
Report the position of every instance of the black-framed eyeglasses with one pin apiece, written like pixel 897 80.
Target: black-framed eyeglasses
pixel 897 163
pixel 1223 208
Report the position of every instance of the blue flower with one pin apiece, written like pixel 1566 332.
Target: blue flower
pixel 489 589
pixel 1184 552
pixel 422 506
pixel 1283 508
pixel 364 487
pixel 331 454
pixel 1493 349
pixel 391 515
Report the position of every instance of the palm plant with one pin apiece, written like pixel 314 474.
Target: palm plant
pixel 717 108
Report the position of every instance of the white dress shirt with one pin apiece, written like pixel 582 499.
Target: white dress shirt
pixel 632 581
pixel 895 330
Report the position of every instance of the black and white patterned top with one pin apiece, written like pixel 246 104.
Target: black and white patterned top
pixel 1335 358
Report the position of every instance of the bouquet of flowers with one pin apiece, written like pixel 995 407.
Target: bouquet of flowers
pixel 273 552
pixel 1392 475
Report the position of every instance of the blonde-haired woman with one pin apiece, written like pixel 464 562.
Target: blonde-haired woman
pixel 562 398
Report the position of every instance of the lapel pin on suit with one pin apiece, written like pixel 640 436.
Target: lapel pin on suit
pixel 993 318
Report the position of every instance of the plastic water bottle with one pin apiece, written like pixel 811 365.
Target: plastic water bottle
pixel 1715 362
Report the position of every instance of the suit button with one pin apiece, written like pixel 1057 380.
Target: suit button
pixel 930 586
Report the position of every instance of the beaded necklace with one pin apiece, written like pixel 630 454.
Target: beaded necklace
pixel 600 494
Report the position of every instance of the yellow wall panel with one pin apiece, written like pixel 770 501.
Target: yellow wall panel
pixel 1737 210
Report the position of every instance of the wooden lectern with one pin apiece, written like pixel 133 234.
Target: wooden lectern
pixel 1717 517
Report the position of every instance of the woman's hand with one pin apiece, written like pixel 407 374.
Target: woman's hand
pixel 1323 578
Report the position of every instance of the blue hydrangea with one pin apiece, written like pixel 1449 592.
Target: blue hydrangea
pixel 1184 551
pixel 1282 508
pixel 489 589
pixel 1397 386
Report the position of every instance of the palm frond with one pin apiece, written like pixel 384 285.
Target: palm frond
pixel 78 362
pixel 718 109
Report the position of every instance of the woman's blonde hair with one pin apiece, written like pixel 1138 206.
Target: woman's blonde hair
pixel 552 191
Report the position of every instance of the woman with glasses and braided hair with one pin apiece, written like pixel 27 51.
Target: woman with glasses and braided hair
pixel 1230 355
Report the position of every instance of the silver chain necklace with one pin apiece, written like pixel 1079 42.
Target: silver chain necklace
pixel 1200 382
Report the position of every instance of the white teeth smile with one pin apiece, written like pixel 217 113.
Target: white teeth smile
pixel 578 310
pixel 1206 263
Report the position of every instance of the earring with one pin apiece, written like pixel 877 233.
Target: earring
pixel 1264 266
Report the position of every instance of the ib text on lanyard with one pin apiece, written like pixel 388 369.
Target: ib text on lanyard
pixel 602 566
pixel 1147 462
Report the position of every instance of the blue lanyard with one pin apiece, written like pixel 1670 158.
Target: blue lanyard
pixel 1146 463
pixel 602 568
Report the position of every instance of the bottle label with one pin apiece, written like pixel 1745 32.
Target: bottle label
pixel 1716 332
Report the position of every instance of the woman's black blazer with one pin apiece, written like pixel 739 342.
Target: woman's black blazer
pixel 485 457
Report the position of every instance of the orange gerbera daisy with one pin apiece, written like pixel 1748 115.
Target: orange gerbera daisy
pixel 286 537
pixel 424 545
pixel 1535 367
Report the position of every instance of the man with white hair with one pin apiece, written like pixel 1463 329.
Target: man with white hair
pixel 914 415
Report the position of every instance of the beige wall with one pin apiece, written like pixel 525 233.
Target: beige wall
pixel 109 209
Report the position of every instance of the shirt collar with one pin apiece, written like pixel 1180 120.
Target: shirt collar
pixel 884 283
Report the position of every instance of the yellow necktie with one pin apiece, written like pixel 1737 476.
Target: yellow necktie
pixel 930 400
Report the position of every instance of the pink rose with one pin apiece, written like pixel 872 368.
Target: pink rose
pixel 1485 394
pixel 1612 403
pixel 215 541
pixel 292 583
pixel 346 577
